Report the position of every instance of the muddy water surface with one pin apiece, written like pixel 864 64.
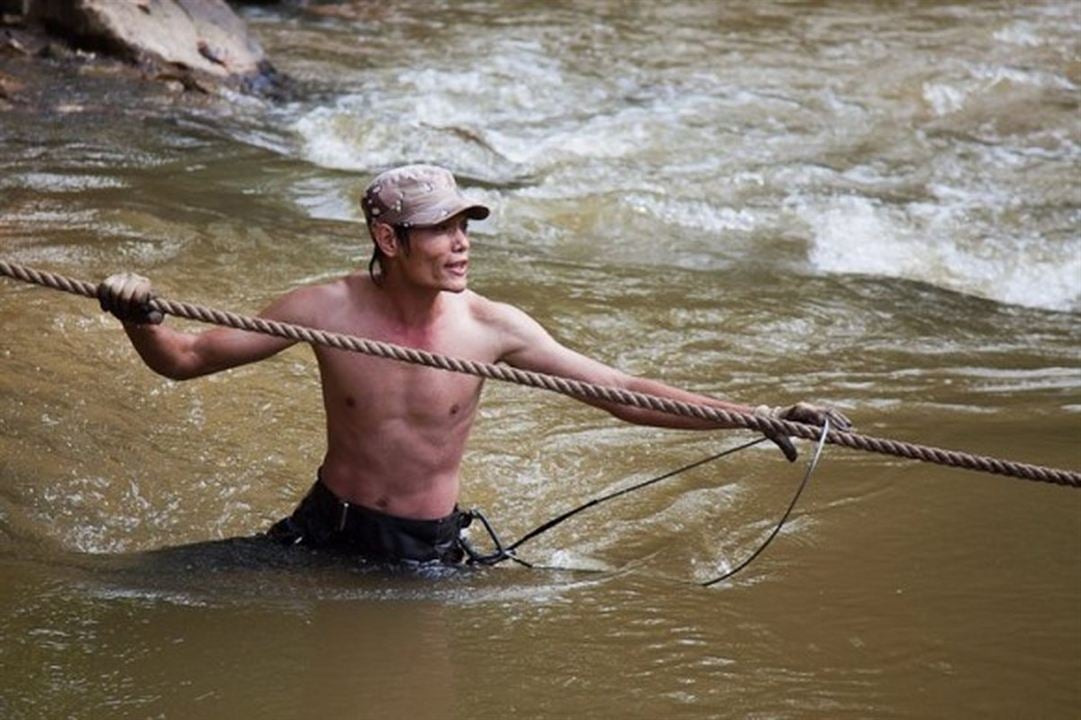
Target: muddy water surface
pixel 872 205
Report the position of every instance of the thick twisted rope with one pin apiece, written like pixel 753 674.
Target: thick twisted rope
pixel 565 386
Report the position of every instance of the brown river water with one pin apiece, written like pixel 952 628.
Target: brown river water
pixel 870 204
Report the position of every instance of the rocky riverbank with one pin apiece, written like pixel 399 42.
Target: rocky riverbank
pixel 190 45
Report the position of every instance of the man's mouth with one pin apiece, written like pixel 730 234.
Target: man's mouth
pixel 458 268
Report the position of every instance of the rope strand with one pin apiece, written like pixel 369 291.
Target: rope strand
pixel 565 386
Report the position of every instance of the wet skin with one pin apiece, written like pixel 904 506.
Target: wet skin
pixel 396 433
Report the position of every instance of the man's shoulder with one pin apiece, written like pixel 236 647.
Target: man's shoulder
pixel 310 303
pixel 510 327
pixel 334 289
pixel 491 312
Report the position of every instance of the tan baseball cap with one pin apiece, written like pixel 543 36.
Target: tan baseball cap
pixel 417 196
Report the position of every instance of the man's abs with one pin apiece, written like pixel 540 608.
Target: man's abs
pixel 406 488
pixel 400 460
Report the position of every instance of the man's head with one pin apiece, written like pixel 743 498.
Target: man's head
pixel 412 197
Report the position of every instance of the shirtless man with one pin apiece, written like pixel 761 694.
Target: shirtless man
pixel 396 433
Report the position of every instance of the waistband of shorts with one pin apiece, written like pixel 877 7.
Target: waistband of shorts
pixel 326 499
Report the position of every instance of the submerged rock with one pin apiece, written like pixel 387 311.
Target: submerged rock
pixel 200 43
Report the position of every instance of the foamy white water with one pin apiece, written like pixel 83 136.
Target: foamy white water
pixel 881 156
pixel 931 243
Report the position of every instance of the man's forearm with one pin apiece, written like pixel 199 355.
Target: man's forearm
pixel 161 348
pixel 656 418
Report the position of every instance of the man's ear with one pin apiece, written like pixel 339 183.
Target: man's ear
pixel 385 239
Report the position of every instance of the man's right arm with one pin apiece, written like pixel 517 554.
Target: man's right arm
pixel 183 355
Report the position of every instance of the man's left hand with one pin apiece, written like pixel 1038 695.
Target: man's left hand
pixel 802 413
pixel 808 414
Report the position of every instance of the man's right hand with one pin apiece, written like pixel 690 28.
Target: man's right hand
pixel 127 296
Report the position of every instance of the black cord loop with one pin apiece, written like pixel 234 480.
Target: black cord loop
pixel 799 491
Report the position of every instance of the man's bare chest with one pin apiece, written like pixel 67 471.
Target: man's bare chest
pixel 393 388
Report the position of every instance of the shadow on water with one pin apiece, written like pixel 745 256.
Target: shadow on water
pixel 255 570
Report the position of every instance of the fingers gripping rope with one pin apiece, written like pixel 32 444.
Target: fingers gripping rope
pixel 565 386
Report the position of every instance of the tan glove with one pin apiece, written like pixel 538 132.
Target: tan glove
pixel 127 296
pixel 802 413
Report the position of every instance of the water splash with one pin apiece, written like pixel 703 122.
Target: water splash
pixel 928 242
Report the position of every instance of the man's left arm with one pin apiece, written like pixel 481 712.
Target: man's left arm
pixel 530 347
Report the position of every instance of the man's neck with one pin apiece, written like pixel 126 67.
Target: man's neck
pixel 410 306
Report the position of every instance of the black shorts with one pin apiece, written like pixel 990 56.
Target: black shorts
pixel 323 520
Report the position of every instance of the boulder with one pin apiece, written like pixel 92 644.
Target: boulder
pixel 201 41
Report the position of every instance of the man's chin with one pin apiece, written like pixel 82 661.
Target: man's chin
pixel 456 285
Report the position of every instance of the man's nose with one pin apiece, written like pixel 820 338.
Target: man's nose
pixel 461 240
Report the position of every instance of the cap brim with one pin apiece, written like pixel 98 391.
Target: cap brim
pixel 476 212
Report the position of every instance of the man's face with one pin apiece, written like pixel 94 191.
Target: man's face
pixel 438 256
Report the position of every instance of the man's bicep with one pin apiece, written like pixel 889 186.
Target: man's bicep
pixel 223 348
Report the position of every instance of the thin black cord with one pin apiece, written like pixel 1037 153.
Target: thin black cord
pixel 645 483
pixel 799 491
pixel 507 553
